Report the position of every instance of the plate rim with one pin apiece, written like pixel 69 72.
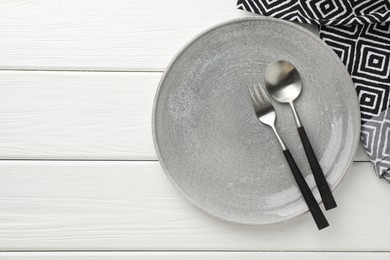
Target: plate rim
pixel 197 37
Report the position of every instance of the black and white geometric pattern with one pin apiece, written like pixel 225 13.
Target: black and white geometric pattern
pixel 359 32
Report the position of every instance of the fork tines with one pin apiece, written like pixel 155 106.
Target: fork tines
pixel 259 97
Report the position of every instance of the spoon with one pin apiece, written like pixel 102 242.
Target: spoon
pixel 284 84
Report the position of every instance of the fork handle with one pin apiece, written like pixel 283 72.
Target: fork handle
pixel 311 202
pixel 322 184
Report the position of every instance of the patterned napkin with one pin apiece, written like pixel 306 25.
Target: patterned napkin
pixel 359 32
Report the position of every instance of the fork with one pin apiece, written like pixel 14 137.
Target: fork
pixel 265 112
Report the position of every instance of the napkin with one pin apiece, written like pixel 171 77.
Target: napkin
pixel 358 31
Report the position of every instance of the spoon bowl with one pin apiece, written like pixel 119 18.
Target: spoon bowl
pixel 283 81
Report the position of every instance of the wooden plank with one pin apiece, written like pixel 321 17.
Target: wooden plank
pixel 102 35
pixel 75 115
pixel 133 206
pixel 194 255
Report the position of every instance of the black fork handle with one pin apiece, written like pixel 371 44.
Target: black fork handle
pixel 319 177
pixel 311 202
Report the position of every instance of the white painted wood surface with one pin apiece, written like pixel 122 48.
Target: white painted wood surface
pixel 133 206
pixel 102 34
pixel 77 82
pixel 77 115
pixel 194 256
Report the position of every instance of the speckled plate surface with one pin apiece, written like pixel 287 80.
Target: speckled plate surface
pixel 211 144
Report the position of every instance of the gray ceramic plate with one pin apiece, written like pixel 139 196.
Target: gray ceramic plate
pixel 211 144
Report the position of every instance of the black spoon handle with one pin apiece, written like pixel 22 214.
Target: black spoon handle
pixel 322 184
pixel 311 202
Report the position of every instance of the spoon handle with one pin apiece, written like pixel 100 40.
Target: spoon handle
pixel 311 202
pixel 322 184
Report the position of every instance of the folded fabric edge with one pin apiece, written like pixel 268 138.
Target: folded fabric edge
pixel 382 169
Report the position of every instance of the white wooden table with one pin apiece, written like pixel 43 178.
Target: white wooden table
pixel 78 172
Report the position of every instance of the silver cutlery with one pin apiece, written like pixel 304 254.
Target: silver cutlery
pixel 265 112
pixel 284 84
